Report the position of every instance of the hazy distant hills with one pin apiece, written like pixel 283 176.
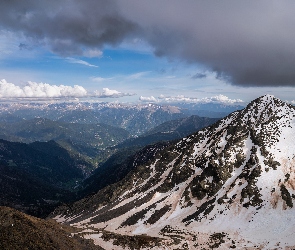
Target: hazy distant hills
pixel 213 110
pixel 183 127
pixel 41 129
pixel 91 139
pixel 98 136
pixel 87 140
pixel 136 119
pixel 230 185
pixel 170 130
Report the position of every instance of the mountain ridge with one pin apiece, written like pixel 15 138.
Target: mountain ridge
pixel 209 188
pixel 168 131
pixel 135 118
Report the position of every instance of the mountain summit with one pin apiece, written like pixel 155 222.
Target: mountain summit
pixel 230 185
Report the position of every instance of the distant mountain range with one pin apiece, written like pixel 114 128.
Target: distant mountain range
pixel 212 110
pixel 42 129
pixel 136 119
pixel 88 140
pixel 95 142
pixel 167 131
pixel 230 185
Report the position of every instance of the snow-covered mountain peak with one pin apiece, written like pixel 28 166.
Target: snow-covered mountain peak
pixel 265 108
pixel 223 186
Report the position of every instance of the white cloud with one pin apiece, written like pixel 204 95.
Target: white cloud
pixel 122 78
pixel 39 90
pixel 138 75
pixel 147 99
pixel 178 98
pixel 78 61
pixel 214 99
pixel 93 53
pixel 111 93
pixel 100 79
pixel 221 99
pixel 47 91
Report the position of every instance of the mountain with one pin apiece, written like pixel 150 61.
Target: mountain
pixel 36 177
pixel 168 131
pixel 118 166
pixel 212 110
pixel 136 151
pixel 184 126
pixel 20 231
pixel 9 118
pixel 135 118
pixel 82 140
pixel 230 185
pixel 97 136
pixel 41 129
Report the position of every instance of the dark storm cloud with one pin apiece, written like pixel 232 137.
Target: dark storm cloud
pixel 248 43
pixel 67 27
pixel 23 46
pixel 199 76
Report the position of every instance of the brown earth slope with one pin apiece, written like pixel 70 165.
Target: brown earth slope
pixel 21 231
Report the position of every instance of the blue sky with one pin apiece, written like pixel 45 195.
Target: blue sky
pixel 126 55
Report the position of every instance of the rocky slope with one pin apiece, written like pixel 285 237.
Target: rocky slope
pixel 230 185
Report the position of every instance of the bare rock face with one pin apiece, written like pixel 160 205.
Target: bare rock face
pixel 230 185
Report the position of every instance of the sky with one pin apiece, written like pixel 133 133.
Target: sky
pixel 147 51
